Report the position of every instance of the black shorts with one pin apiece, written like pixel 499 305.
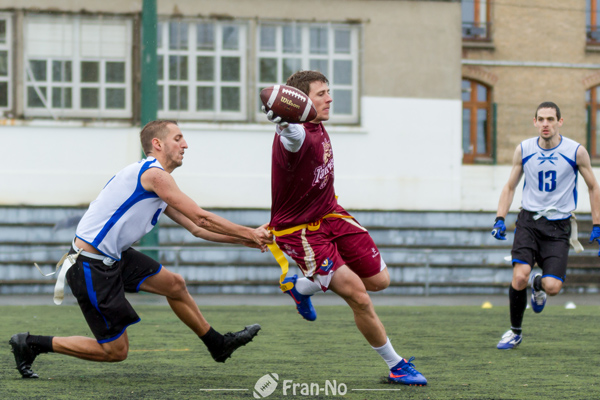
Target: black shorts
pixel 543 241
pixel 100 291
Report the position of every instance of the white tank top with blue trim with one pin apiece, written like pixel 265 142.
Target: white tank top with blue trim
pixel 550 185
pixel 123 212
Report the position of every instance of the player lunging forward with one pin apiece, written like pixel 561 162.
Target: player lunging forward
pixel 550 163
pixel 331 248
pixel 106 266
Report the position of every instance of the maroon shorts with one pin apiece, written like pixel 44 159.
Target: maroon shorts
pixel 337 242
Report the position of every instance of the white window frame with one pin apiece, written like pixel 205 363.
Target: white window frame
pixel 76 111
pixel 305 56
pixel 192 84
pixel 7 46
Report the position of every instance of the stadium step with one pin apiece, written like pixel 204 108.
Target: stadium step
pixel 426 252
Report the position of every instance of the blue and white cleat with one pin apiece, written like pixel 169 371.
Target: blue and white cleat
pixel 405 373
pixel 509 340
pixel 538 298
pixel 303 303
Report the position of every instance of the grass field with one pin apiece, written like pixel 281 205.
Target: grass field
pixel 455 348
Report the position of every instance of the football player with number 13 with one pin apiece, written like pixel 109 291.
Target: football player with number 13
pixel 546 226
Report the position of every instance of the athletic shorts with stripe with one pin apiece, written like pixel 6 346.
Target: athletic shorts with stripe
pixel 100 291
pixel 542 241
pixel 337 242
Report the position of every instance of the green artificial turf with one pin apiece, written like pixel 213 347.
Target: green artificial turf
pixel 455 348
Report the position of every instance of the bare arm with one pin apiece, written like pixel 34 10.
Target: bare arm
pixel 585 169
pixel 206 234
pixel 162 183
pixel 508 192
pixel 198 231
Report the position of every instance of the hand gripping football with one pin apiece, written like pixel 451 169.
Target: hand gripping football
pixel 289 103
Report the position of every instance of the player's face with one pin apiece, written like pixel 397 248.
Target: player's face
pixel 547 124
pixel 174 146
pixel 319 95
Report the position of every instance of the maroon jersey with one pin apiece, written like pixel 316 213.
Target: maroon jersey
pixel 302 182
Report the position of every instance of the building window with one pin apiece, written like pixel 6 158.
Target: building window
pixel 78 66
pixel 202 70
pixel 5 62
pixel 476 19
pixel 592 99
pixel 329 48
pixel 592 21
pixel 477 122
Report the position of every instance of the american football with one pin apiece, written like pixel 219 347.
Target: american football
pixel 289 103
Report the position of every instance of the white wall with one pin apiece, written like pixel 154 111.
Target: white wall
pixel 407 158
pixel 405 155
pixel 66 165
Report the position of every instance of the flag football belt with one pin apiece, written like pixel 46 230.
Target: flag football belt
pixel 574 233
pixel 66 262
pixel 278 253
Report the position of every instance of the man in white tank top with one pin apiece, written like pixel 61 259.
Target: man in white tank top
pixel 102 266
pixel 550 164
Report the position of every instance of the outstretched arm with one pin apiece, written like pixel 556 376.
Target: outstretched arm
pixel 162 183
pixel 206 234
pixel 291 135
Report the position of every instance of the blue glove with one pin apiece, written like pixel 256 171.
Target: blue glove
pixel 595 235
pixel 499 231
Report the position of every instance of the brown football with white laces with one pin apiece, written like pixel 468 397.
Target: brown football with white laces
pixel 289 103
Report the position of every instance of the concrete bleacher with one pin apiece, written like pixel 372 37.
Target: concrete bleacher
pixel 426 252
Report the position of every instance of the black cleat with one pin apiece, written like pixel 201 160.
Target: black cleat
pixel 233 341
pixel 24 356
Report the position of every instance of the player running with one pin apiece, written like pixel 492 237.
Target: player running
pixel 331 248
pixel 102 266
pixel 550 163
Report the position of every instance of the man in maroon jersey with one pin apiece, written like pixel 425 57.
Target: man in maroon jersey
pixel 331 248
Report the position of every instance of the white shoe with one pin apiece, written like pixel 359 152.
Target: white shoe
pixel 509 340
pixel 538 297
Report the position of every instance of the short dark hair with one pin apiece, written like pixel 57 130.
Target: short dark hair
pixel 301 80
pixel 548 104
pixel 154 129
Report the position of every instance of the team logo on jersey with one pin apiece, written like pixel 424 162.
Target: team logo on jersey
pixel 289 251
pixel 326 151
pixel 326 265
pixel 322 172
pixel 549 158
pixel 375 252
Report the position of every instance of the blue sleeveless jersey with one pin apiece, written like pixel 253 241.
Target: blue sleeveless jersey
pixel 550 177
pixel 123 212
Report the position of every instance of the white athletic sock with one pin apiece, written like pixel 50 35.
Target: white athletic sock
pixel 307 287
pixel 388 354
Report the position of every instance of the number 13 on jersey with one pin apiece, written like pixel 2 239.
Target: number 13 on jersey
pixel 547 181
